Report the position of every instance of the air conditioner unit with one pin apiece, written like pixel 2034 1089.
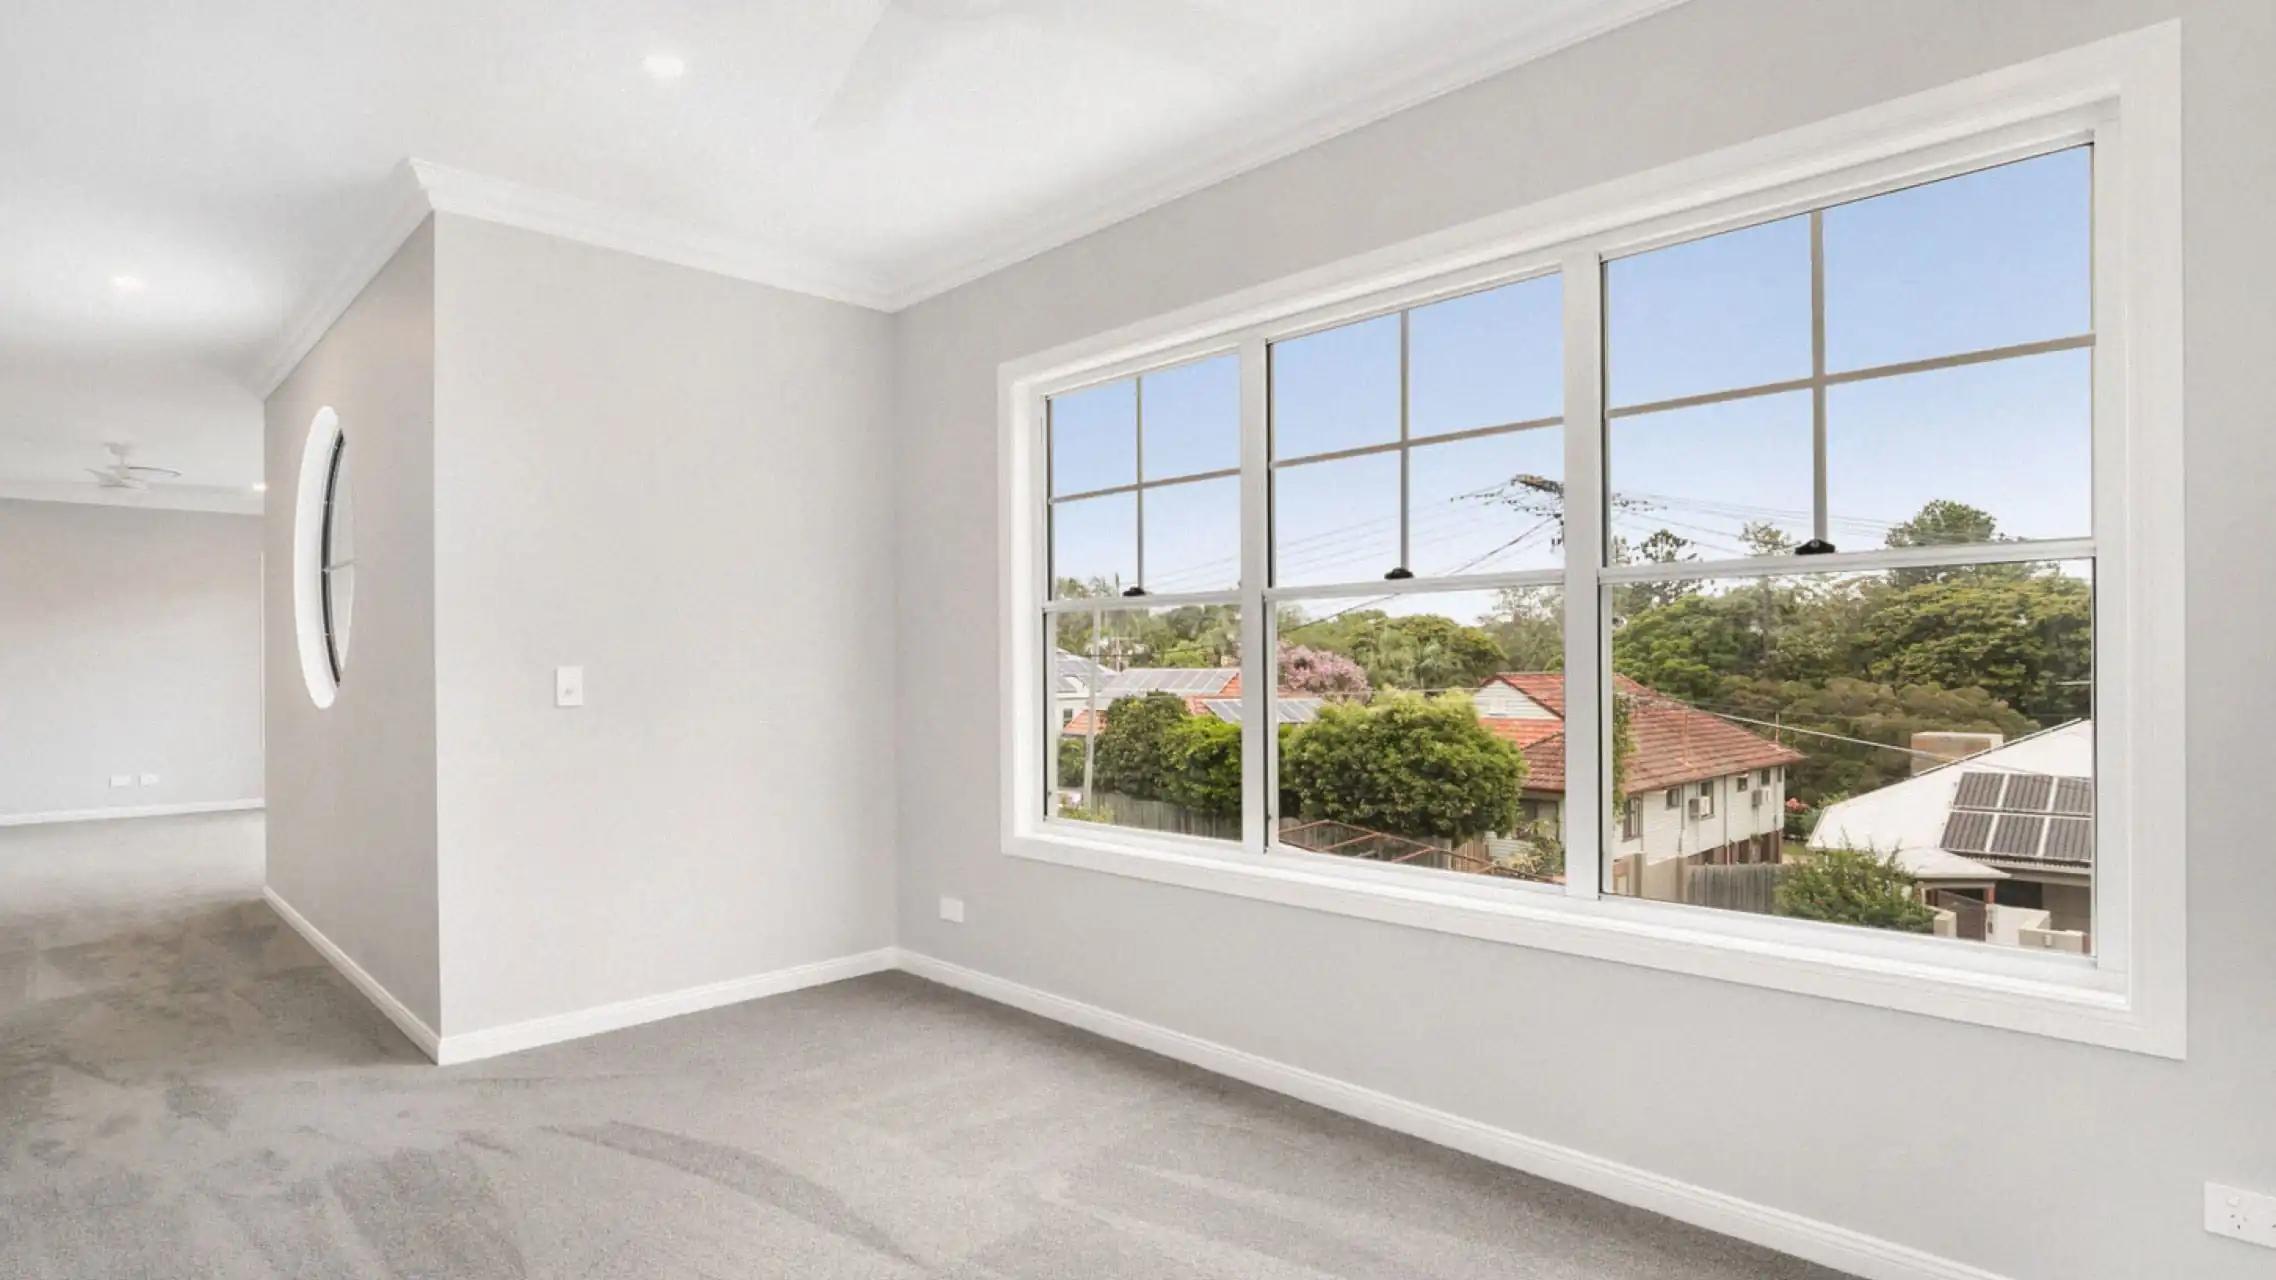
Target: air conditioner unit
pixel 1754 798
pixel 1699 807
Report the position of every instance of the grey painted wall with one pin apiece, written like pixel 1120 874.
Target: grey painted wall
pixel 130 643
pixel 351 787
pixel 2028 1156
pixel 682 483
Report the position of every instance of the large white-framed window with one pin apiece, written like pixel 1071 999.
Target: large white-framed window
pixel 1585 578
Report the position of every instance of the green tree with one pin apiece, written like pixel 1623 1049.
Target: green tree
pixel 1070 761
pixel 1529 625
pixel 1424 652
pixel 1945 523
pixel 1761 538
pixel 1687 647
pixel 1836 725
pixel 1853 886
pixel 1447 655
pixel 1202 756
pixel 1132 755
pixel 2027 641
pixel 1407 765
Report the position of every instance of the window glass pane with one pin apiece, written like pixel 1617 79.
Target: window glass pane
pixel 1718 314
pixel 1710 482
pixel 1094 545
pixel 1336 521
pixel 339 555
pixel 1928 732
pixel 1988 259
pixel 1145 711
pixel 1492 504
pixel 1486 359
pixel 1094 438
pixel 1336 389
pixel 1193 536
pixel 2004 450
pixel 1425 730
pixel 1191 417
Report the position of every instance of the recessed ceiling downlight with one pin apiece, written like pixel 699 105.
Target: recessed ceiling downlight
pixel 664 66
pixel 323 558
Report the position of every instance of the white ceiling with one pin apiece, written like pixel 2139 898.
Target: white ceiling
pixel 234 156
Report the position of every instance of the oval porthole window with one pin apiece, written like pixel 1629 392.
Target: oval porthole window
pixel 324 557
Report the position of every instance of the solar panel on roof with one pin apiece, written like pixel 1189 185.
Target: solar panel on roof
pixel 2074 795
pixel 1967 832
pixel 2017 835
pixel 1977 791
pixel 2027 793
pixel 2070 840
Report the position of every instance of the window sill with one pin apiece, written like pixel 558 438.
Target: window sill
pixel 2062 997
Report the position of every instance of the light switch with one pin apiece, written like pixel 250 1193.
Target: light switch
pixel 122 779
pixel 150 779
pixel 568 686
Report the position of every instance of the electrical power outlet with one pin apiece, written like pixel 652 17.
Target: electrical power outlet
pixel 122 779
pixel 150 779
pixel 952 910
pixel 2240 1215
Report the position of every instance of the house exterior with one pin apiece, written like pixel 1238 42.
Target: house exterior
pixel 2010 828
pixel 1701 789
pixel 1083 690
pixel 1073 677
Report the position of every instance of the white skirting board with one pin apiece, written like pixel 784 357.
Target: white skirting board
pixel 136 811
pixel 1824 1243
pixel 469 1046
pixel 1807 1238
pixel 408 1022
pixel 490 1042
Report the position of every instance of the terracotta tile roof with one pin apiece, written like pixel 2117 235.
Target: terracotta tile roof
pixel 1541 742
pixel 1674 743
pixel 1677 744
pixel 1294 709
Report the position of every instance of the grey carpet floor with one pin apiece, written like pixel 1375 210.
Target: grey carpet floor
pixel 186 1089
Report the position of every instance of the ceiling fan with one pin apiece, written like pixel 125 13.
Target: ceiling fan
pixel 908 35
pixel 122 474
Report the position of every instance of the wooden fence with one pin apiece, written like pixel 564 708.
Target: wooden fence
pixel 1161 815
pixel 1744 887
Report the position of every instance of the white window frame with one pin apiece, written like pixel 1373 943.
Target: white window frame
pixel 2123 96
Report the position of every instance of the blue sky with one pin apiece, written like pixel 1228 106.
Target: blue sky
pixel 1989 259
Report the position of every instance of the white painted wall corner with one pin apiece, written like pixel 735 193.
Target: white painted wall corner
pixel 396 1011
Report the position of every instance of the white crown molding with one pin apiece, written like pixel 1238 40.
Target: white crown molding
pixel 568 217
pixel 419 187
pixel 402 208
pixel 1276 137
pixel 220 499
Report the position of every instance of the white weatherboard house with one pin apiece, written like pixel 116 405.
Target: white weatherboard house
pixel 1701 789
pixel 2013 826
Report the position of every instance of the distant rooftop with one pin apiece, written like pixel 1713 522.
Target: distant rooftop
pixel 2028 804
